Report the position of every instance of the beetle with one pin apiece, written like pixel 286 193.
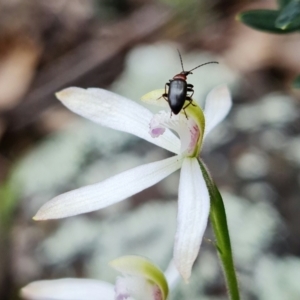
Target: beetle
pixel 178 89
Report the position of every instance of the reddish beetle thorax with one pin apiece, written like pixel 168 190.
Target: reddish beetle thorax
pixel 180 76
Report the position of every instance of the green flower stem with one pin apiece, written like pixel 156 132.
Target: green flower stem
pixel 219 224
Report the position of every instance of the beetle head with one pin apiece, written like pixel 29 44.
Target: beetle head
pixel 186 73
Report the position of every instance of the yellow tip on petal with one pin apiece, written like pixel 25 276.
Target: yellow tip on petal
pixel 40 216
pixel 62 94
pixel 155 98
pixel 67 93
pixel 37 217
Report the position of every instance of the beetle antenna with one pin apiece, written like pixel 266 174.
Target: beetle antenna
pixel 180 60
pixel 211 62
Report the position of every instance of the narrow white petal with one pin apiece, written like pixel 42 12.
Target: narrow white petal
pixel 117 112
pixel 193 211
pixel 68 289
pixel 217 106
pixel 109 191
pixel 172 275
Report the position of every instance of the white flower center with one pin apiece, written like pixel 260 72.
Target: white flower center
pixel 187 129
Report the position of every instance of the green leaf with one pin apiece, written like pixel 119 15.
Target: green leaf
pixel 264 20
pixel 219 223
pixel 283 3
pixel 289 16
pixel 296 82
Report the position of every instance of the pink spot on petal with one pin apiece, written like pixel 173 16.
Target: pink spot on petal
pixel 156 132
pixel 157 293
pixel 155 128
pixel 194 136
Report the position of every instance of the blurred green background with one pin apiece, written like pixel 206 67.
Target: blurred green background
pixel 130 47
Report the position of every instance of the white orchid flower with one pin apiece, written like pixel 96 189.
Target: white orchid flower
pixel 114 111
pixel 141 280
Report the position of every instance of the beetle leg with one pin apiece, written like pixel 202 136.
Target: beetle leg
pixel 167 84
pixel 189 98
pixel 190 103
pixel 165 95
pixel 190 89
pixel 185 113
pixel 162 96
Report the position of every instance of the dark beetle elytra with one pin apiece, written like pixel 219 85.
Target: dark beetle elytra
pixel 178 89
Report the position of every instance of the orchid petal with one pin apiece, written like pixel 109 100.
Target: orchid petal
pixel 172 275
pixel 193 211
pixel 217 106
pixel 109 191
pixel 141 267
pixel 68 289
pixel 114 111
